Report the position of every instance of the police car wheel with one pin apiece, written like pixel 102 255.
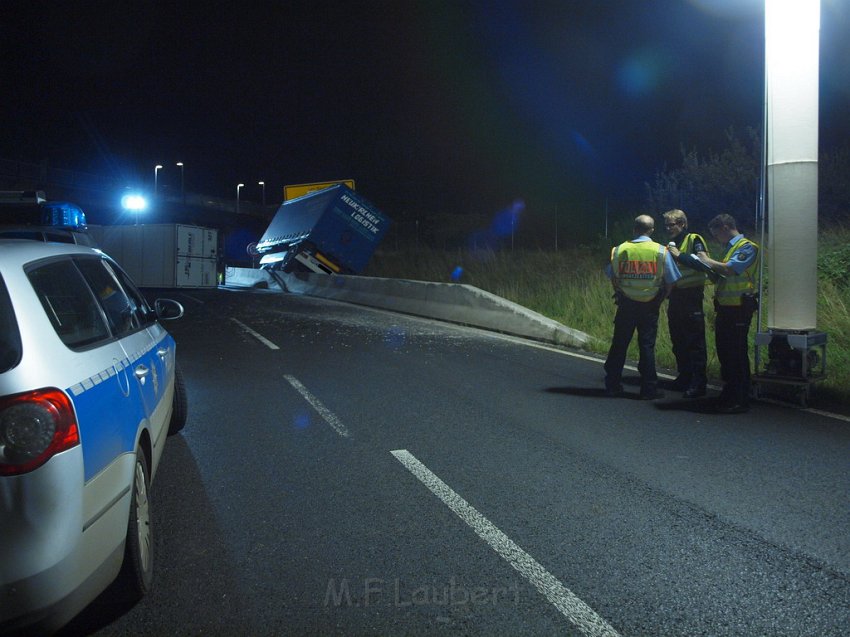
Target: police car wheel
pixel 180 407
pixel 137 571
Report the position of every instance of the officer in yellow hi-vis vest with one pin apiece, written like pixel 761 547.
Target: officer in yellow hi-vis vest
pixel 736 300
pixel 642 273
pixel 685 317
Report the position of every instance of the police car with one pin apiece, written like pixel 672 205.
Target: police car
pixel 89 392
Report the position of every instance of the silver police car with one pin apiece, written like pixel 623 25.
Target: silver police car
pixel 89 391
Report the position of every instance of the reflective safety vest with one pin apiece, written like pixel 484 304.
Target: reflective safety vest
pixel 690 278
pixel 638 269
pixel 729 291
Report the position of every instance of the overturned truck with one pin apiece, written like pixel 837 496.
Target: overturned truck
pixel 331 231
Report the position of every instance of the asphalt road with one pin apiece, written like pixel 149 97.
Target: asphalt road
pixel 350 471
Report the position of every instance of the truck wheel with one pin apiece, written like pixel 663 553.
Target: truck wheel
pixel 180 406
pixel 136 574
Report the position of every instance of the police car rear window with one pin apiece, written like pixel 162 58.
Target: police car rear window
pixel 69 303
pixel 58 237
pixel 10 337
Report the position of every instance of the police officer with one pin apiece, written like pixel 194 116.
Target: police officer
pixel 685 316
pixel 642 273
pixel 735 300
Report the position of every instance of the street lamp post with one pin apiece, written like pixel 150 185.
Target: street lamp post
pixel 182 183
pixel 238 188
pixel 263 184
pixel 156 170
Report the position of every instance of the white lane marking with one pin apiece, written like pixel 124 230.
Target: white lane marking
pixel 324 412
pixel 819 412
pixel 195 299
pixel 259 337
pixel 575 610
pixel 549 348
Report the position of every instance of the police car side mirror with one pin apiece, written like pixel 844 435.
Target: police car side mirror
pixel 167 309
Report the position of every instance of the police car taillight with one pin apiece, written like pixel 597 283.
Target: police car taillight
pixel 35 426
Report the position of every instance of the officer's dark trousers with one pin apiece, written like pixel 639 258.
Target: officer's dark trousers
pixel 730 335
pixel 633 315
pixel 686 321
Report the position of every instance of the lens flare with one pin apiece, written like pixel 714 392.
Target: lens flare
pixel 301 420
pixel 637 76
pixel 507 220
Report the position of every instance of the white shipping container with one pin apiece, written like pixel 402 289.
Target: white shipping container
pixel 162 255
pixel 194 241
pixel 193 272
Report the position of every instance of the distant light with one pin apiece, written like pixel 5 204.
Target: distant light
pixel 134 203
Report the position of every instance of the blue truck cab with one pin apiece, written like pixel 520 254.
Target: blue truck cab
pixel 330 231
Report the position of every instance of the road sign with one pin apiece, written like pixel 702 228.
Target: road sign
pixel 299 190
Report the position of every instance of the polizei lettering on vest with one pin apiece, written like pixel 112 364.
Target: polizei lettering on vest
pixel 362 215
pixel 638 269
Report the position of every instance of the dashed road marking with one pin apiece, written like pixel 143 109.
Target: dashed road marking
pixel 574 609
pixel 324 412
pixel 256 335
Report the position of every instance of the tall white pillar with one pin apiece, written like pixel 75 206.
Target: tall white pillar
pixel 792 33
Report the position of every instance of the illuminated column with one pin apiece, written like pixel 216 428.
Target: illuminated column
pixel 791 56
pixel 182 183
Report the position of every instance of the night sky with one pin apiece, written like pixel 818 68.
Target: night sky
pixel 431 106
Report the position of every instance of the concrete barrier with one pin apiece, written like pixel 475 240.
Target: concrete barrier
pixel 249 278
pixel 453 302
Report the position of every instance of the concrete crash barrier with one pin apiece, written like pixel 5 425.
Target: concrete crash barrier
pixel 250 278
pixel 453 302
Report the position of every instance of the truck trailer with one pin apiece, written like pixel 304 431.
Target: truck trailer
pixel 163 255
pixel 331 231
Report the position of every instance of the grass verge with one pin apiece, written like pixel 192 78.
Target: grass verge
pixel 570 287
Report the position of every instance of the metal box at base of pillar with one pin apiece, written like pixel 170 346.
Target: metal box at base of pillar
pixel 793 361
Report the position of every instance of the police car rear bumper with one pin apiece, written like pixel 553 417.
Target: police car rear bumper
pixel 41 604
pixel 51 565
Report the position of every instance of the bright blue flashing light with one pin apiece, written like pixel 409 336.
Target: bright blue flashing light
pixel 62 214
pixel 134 203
